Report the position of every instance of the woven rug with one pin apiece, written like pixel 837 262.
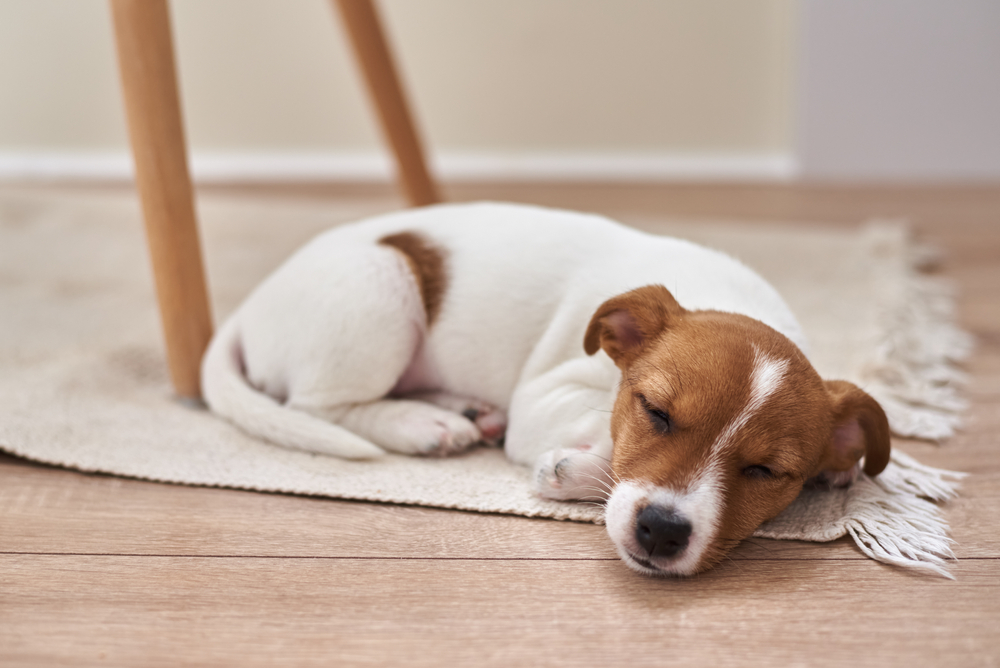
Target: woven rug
pixel 83 382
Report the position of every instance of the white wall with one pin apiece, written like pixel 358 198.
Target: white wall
pixel 900 90
pixel 656 86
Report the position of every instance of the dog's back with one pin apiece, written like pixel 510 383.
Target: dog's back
pixel 343 320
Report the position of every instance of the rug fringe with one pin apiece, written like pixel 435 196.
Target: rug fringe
pixel 893 517
pixel 908 476
pixel 912 371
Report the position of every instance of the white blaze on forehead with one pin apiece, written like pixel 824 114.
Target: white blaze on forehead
pixel 766 377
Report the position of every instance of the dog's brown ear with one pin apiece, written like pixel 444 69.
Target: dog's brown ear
pixel 623 325
pixel 860 428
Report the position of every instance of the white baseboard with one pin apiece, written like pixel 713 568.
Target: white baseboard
pixel 448 166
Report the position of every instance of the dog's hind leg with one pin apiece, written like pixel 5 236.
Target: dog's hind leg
pixel 337 349
pixel 491 421
pixel 406 426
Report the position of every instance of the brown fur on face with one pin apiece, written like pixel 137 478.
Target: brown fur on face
pixel 427 262
pixel 696 369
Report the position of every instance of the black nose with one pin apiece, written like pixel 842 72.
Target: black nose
pixel 661 532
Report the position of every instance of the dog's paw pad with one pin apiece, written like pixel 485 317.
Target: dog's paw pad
pixel 492 424
pixel 491 421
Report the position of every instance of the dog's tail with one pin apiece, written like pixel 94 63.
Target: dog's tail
pixel 228 393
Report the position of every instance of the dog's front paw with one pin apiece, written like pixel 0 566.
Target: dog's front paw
pixel 572 474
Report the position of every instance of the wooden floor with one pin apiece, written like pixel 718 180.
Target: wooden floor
pixel 104 571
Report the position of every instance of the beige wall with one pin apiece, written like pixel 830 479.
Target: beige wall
pixel 619 76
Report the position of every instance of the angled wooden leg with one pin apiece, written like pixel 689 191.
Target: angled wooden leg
pixel 152 105
pixel 372 52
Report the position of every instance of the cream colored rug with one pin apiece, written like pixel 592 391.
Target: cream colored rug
pixel 83 382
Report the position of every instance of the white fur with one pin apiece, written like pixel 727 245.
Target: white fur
pixel 700 504
pixel 309 358
pixel 764 381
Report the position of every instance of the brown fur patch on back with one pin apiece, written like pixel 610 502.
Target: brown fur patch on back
pixel 427 262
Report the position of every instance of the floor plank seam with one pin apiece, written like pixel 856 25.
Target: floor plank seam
pixel 294 557
pixel 372 558
pixel 132 555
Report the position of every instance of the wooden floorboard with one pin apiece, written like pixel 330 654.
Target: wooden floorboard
pixel 142 610
pixel 49 511
pixel 96 570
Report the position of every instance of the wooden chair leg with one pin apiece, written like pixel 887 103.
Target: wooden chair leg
pixel 372 52
pixel 152 104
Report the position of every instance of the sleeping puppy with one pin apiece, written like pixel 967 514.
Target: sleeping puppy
pixel 664 376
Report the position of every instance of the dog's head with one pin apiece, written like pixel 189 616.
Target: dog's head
pixel 718 424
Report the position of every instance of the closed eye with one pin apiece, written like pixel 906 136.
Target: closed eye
pixel 659 418
pixel 758 472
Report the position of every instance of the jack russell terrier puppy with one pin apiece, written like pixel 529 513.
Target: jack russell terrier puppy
pixel 660 375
